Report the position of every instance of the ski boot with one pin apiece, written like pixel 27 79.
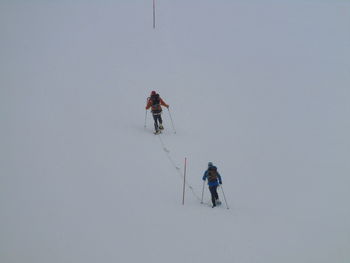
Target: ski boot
pixel 157 132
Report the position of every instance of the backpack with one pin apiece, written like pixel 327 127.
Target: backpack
pixel 155 100
pixel 212 174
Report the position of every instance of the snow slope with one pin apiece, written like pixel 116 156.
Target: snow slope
pixel 261 90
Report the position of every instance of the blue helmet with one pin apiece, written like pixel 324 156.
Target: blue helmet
pixel 210 164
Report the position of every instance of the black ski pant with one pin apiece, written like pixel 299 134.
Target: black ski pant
pixel 214 194
pixel 157 118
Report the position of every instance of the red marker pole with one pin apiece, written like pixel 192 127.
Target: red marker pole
pixel 154 14
pixel 183 191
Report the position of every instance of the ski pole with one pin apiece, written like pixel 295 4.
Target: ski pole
pixel 183 193
pixel 145 120
pixel 222 189
pixel 146 113
pixel 202 192
pixel 172 123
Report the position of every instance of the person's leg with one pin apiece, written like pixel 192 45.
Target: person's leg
pixel 155 118
pixel 216 192
pixel 160 122
pixel 212 190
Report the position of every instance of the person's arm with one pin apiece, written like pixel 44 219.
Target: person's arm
pixel 219 177
pixel 148 104
pixel 162 102
pixel 205 176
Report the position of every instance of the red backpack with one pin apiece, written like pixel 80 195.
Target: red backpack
pixel 155 106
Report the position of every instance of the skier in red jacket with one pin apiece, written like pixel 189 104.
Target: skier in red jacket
pixel 155 102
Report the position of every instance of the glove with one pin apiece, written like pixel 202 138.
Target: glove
pixel 167 106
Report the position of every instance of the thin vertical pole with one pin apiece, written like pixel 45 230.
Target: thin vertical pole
pixel 154 14
pixel 183 190
pixel 144 126
pixel 224 196
pixel 146 113
pixel 172 123
pixel 202 192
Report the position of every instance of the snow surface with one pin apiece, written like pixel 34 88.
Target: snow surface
pixel 260 89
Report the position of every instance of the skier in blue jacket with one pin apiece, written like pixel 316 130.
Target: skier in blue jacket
pixel 214 180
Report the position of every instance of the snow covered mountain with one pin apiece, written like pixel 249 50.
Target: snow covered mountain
pixel 260 90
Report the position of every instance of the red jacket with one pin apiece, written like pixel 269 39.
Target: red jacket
pixel 149 103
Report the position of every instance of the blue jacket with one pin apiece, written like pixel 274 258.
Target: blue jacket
pixel 215 183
